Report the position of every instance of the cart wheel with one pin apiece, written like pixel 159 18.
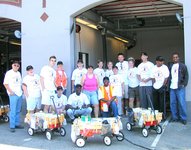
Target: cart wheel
pixel 80 142
pixel 129 126
pixel 145 132
pixel 6 118
pixel 158 129
pixel 49 135
pixel 30 131
pixel 62 131
pixel 120 136
pixel 107 140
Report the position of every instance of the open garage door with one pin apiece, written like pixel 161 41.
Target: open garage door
pixel 10 48
pixel 131 26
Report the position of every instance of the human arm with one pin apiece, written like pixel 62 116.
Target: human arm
pixel 24 87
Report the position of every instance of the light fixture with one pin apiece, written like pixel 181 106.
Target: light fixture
pixel 15 43
pixel 179 17
pixel 120 39
pixel 78 20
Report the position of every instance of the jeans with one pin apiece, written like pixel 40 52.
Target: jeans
pixel 146 96
pixel 178 103
pixel 119 105
pixel 84 111
pixel 114 109
pixel 15 110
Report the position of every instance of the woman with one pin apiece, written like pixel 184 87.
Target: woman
pixel 90 86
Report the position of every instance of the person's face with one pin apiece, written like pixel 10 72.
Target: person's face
pixel 159 63
pixel 59 92
pixel 106 82
pixel 175 58
pixel 100 64
pixel 78 90
pixel 110 65
pixel 79 65
pixel 60 67
pixel 52 62
pixel 90 70
pixel 15 67
pixel 131 64
pixel 115 71
pixel 144 58
pixel 30 72
pixel 121 58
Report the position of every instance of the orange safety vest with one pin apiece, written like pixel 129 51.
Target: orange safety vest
pixel 106 95
pixel 60 78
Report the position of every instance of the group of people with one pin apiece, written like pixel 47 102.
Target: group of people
pixel 105 92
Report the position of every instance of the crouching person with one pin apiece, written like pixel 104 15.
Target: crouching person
pixel 60 101
pixel 78 104
pixel 107 99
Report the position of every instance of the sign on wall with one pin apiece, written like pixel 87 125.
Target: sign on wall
pixel 11 2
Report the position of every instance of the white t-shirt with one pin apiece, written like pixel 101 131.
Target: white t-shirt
pixel 100 74
pixel 123 68
pixel 145 70
pixel 116 81
pixel 60 101
pixel 101 96
pixel 13 79
pixel 159 74
pixel 108 73
pixel 78 74
pixel 33 85
pixel 174 73
pixel 132 77
pixel 49 75
pixel 78 101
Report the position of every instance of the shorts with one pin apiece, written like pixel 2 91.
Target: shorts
pixel 126 96
pixel 133 92
pixel 33 102
pixel 46 97
pixel 92 96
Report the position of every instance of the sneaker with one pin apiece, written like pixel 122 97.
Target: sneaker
pixel 184 122
pixel 12 129
pixel 19 127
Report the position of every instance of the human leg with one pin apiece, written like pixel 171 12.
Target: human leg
pixel 114 108
pixel 173 104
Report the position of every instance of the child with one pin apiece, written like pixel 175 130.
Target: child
pixel 60 101
pixel 61 77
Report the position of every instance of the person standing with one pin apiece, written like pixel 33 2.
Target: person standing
pixel 78 104
pixel 109 70
pixel 100 72
pixel 178 82
pixel 133 90
pixel 61 77
pixel 77 74
pixel 13 83
pixel 160 74
pixel 31 88
pixel 47 80
pixel 90 84
pixel 123 67
pixel 144 76
pixel 118 83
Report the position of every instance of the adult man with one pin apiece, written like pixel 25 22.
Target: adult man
pixel 78 104
pixel 144 76
pixel 123 69
pixel 178 82
pixel 77 74
pixel 31 88
pixel 12 83
pixel 107 99
pixel 160 74
pixel 47 80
